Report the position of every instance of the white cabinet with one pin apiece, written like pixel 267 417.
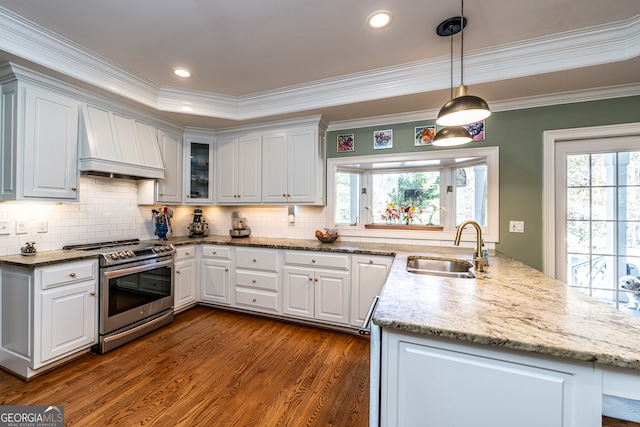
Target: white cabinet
pixel 316 286
pixel 257 280
pixel 63 320
pixel 215 274
pixel 186 277
pixel 434 381
pixel 292 168
pixel 238 166
pixel 169 189
pixel 38 144
pixel 198 166
pixel 368 274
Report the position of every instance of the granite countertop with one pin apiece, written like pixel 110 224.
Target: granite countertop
pixel 509 305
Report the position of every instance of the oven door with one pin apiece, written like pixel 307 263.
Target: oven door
pixel 132 292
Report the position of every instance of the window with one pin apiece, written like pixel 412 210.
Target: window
pixel 443 188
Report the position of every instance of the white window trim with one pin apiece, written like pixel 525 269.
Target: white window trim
pixel 490 233
pixel 551 138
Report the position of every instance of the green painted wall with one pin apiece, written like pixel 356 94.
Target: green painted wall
pixel 518 133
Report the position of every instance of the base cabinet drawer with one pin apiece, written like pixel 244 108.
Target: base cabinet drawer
pixel 258 279
pixel 257 300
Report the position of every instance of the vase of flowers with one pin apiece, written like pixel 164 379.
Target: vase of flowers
pixel 162 221
pixel 395 214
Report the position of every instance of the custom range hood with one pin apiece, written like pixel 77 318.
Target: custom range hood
pixel 114 145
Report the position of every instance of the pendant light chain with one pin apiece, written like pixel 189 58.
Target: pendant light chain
pixel 461 42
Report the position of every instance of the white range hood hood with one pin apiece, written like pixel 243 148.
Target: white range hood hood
pixel 112 144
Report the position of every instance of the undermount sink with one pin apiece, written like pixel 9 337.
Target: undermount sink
pixel 440 267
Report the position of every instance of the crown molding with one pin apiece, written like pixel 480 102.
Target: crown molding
pixel 585 47
pixel 505 105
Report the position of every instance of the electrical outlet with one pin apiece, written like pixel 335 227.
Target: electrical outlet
pixel 43 226
pixel 21 227
pixel 4 227
pixel 516 226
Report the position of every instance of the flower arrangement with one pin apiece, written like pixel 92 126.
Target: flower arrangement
pixel 394 214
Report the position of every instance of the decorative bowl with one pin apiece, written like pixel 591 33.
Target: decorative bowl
pixel 327 239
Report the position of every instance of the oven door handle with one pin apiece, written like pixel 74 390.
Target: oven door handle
pixel 137 269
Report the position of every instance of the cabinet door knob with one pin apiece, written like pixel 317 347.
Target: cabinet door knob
pixel 288 195
pixel 93 294
pixel 72 274
pixel 213 252
pixel 253 281
pixel 187 253
pixel 284 195
pixel 311 279
pixel 254 260
pixel 161 194
pixel 177 271
pixel 370 261
pixel 313 260
pixel 74 188
pixel 316 279
pixel 226 269
pixel 188 196
pixel 254 300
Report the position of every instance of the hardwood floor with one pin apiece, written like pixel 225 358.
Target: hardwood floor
pixel 214 368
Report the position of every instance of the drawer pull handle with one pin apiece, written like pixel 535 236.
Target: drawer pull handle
pixel 93 294
pixel 313 260
pixel 370 261
pixel 177 271
pixel 72 274
pixel 253 281
pixel 254 260
pixel 187 253
pixel 213 252
pixel 254 300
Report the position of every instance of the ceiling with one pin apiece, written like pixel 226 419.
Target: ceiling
pixel 267 60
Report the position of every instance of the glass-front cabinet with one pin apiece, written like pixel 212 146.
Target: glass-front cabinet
pixel 199 170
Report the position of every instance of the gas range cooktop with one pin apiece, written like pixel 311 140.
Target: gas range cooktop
pixel 125 251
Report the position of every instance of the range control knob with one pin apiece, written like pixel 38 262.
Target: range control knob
pixel 122 254
pixel 113 255
pixel 130 254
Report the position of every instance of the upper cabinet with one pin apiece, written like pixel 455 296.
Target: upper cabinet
pixel 198 164
pixel 38 144
pixel 237 173
pixel 169 189
pixel 274 163
pixel 292 167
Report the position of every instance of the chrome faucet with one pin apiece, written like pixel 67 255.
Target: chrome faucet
pixel 478 259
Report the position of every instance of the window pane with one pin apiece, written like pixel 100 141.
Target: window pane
pixel 629 238
pixel 471 194
pixel 629 168
pixel 578 170
pixel 347 206
pixel 603 169
pixel 405 198
pixel 629 203
pixel 603 237
pixel 603 202
pixel 578 236
pixel 578 203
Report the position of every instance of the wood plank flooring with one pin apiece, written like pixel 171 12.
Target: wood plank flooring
pixel 214 368
pixel 211 368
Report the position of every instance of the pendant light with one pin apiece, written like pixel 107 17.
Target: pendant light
pixel 452 135
pixel 463 108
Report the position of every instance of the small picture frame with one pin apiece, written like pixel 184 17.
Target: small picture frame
pixel 477 130
pixel 346 142
pixel 424 135
pixel 383 139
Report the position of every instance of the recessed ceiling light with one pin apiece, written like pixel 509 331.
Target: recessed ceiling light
pixel 379 19
pixel 182 72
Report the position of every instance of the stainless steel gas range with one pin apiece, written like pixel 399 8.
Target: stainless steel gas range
pixel 135 289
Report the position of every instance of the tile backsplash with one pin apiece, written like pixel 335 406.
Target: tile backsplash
pixel 108 210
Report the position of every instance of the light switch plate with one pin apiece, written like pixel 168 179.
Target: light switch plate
pixel 5 227
pixel 516 226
